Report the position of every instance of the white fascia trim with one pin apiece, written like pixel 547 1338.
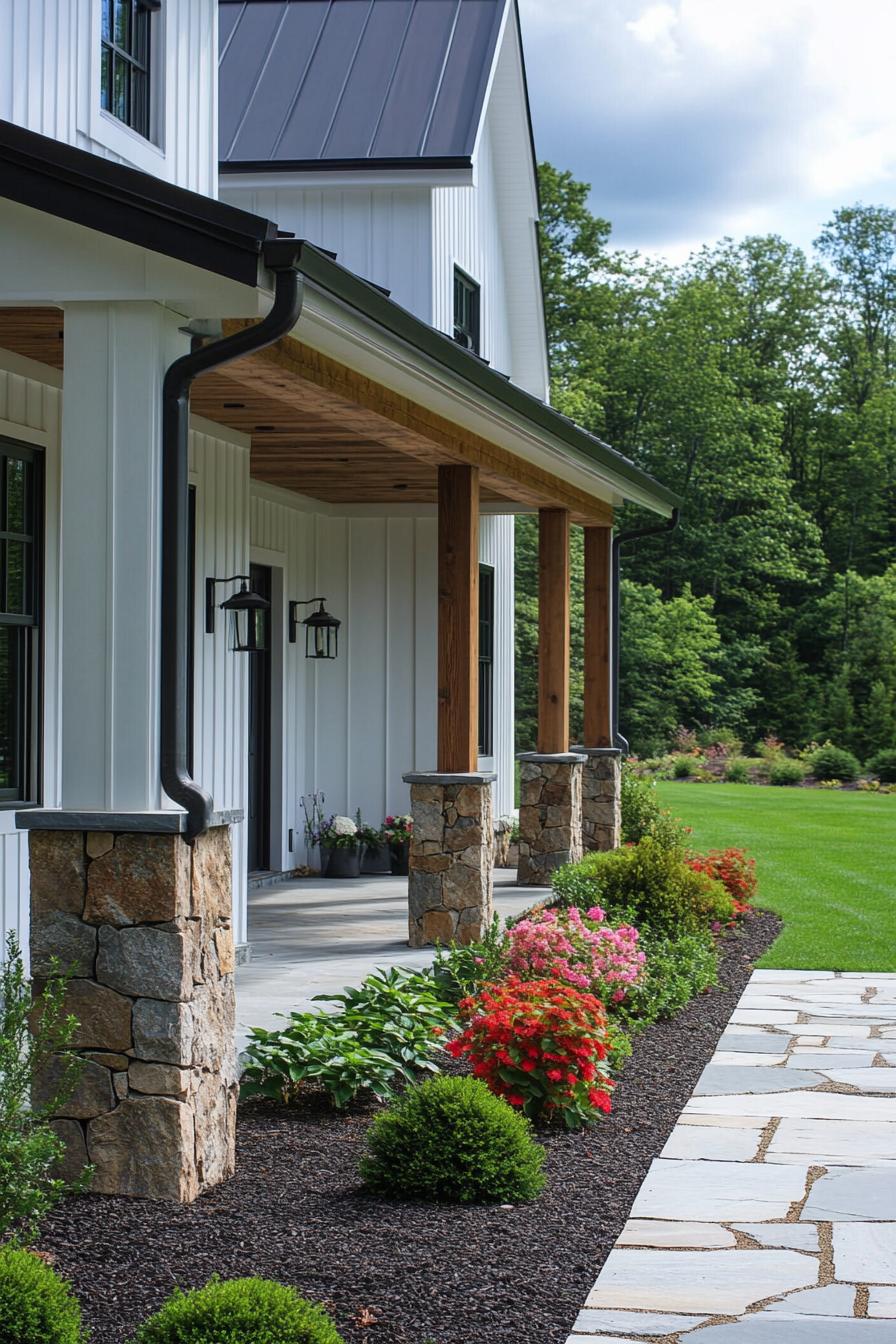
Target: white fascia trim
pixel 338 331
pixel 344 181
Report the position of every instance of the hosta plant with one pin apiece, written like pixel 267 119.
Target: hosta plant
pixel 541 1045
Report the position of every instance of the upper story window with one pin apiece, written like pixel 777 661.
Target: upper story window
pixel 466 311
pixel 21 513
pixel 125 56
pixel 486 659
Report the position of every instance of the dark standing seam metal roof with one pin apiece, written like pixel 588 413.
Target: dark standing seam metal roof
pixel 323 83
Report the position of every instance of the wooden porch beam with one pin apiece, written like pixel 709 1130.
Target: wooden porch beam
pixel 458 617
pixel 553 630
pixel 598 673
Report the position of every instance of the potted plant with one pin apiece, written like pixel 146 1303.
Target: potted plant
pixel 397 832
pixel 340 848
pixel 375 858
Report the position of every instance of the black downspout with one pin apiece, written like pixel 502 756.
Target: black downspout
pixel 619 540
pixel 280 257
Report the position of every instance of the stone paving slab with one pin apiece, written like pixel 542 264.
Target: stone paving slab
pixel 770 1216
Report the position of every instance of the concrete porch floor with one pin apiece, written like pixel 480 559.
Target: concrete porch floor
pixel 314 936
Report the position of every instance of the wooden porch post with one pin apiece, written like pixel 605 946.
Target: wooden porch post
pixel 553 631
pixel 458 617
pixel 598 675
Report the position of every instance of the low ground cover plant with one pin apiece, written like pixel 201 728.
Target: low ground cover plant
pixel 830 762
pixel 451 1140
pixel 645 884
pixel 239 1311
pixel 542 1045
pixel 36 1305
pixel 677 970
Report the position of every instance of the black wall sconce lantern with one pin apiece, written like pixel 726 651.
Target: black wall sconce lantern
pixel 321 629
pixel 249 635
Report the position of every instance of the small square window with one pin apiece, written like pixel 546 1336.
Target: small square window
pixel 466 311
pixel 125 50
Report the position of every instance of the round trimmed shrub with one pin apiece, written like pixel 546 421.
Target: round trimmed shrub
pixel 830 762
pixel 682 767
pixel 737 771
pixel 883 764
pixel 786 771
pixel 36 1305
pixel 451 1141
pixel 239 1311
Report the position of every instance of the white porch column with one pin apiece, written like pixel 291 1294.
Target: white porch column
pixel 115 358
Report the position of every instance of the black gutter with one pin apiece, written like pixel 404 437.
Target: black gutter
pixel 619 540
pixel 437 163
pixel 126 203
pixel 280 257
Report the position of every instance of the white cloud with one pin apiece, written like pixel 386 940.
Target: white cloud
pixel 691 117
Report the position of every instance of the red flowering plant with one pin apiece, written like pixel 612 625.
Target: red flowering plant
pixel 734 870
pixel 540 1044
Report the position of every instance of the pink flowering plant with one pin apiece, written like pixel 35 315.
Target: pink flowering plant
pixel 577 949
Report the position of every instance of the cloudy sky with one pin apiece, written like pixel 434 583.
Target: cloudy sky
pixel 694 119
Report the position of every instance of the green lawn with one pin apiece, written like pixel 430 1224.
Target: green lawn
pixel 826 862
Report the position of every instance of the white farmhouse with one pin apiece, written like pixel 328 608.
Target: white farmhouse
pixel 212 429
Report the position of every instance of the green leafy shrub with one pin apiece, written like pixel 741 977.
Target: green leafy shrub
pixel 36 1305
pixel 645 884
pixel 883 764
pixel 830 762
pixel 460 972
pixel 239 1311
pixel 737 771
pixel 391 1026
pixel 785 772
pixel 642 814
pixel 677 970
pixel 683 767
pixel 30 1036
pixel 450 1140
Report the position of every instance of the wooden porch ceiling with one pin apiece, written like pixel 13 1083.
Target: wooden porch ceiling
pixel 323 430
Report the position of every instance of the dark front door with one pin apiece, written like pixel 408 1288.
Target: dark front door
pixel 259 811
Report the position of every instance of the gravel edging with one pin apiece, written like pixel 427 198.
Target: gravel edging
pixel 403 1273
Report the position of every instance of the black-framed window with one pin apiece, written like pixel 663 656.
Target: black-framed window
pixel 21 517
pixel 125 56
pixel 466 311
pixel 486 659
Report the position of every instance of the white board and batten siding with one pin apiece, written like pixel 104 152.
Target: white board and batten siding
pixel 30 411
pixel 50 83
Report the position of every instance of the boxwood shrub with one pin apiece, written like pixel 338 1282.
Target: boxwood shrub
pixel 239 1311
pixel 786 772
pixel 646 885
pixel 830 762
pixel 451 1141
pixel 36 1305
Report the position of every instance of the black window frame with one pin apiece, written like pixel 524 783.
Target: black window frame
pixel 26 703
pixel 130 53
pixel 467 311
pixel 486 660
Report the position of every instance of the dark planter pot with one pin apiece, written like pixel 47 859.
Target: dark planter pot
pixel 399 858
pixel 340 860
pixel 377 859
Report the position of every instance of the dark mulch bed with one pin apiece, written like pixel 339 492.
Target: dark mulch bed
pixel 402 1273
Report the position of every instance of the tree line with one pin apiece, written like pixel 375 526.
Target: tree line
pixel 760 384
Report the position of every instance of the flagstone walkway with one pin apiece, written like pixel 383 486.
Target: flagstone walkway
pixel 770 1215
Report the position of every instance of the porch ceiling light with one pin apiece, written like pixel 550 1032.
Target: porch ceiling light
pixel 249 633
pixel 321 629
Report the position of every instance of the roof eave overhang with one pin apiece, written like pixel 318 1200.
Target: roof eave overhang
pixel 478 393
pixel 125 203
pixel 346 174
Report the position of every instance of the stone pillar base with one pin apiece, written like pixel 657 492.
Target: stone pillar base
pixel 601 797
pixel 550 815
pixel 144 922
pixel 450 877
